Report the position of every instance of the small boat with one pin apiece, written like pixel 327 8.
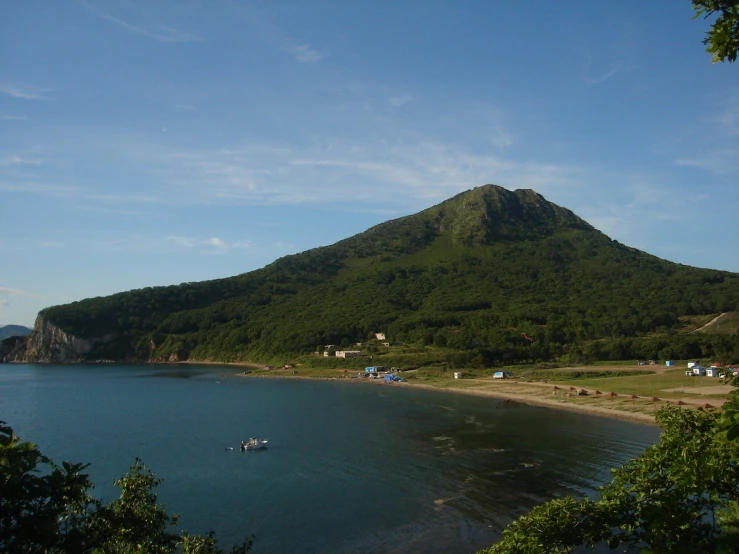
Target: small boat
pixel 253 444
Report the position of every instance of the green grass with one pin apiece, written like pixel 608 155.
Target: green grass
pixel 728 324
pixel 580 375
pixel 651 385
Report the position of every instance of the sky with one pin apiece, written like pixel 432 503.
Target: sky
pixel 154 143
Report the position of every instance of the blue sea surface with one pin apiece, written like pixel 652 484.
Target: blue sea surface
pixel 351 467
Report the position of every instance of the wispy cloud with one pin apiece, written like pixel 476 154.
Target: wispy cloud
pixel 305 54
pixel 398 101
pixel 501 138
pixel 35 187
pixel 728 118
pixel 410 174
pixel 712 145
pixel 213 245
pixel 14 292
pixel 4 304
pixel 594 77
pixel 12 117
pixel 615 68
pixel 14 159
pixel 23 91
pixel 721 161
pixel 162 33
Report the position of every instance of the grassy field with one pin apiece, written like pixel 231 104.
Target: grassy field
pixel 726 324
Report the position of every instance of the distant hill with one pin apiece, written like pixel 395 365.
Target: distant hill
pixel 496 275
pixel 14 331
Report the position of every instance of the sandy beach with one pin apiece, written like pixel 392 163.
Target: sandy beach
pixel 498 393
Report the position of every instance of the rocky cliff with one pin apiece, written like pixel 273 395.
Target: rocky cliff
pixel 47 343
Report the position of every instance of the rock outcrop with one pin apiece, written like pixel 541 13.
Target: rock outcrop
pixel 47 343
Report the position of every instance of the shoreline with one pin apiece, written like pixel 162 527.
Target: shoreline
pixel 632 417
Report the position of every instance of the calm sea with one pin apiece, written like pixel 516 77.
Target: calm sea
pixel 351 467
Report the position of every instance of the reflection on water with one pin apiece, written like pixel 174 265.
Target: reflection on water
pixel 350 467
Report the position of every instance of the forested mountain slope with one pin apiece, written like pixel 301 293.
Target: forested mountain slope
pixel 503 272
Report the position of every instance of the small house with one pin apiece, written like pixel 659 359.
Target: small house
pixel 348 353
pixel 380 336
pixel 712 372
pixel 669 363
pixel 691 365
pixel 375 369
pixel 699 370
pixel 502 375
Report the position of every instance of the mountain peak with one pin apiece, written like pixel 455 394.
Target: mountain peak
pixel 490 213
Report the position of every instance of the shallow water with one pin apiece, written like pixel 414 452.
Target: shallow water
pixel 351 467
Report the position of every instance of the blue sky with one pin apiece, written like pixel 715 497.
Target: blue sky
pixel 154 143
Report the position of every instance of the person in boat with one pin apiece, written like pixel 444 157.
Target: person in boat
pixel 243 444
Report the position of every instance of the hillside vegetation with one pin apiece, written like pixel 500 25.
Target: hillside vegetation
pixel 494 275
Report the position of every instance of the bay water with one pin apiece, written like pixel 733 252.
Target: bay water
pixel 350 467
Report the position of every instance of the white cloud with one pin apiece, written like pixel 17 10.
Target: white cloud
pixel 213 245
pixel 46 189
pixel 615 68
pixel 14 292
pixel 501 139
pixel 398 101
pixel 23 91
pixel 728 119
pixel 14 159
pixel 162 33
pixel 305 54
pixel 57 190
pixel 722 161
pixel 404 175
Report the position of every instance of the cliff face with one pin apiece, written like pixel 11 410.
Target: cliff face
pixel 47 343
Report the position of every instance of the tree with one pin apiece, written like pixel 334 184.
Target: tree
pixel 45 508
pixel 722 41
pixel 680 496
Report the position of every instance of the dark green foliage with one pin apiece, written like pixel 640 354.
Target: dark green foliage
pixel 722 41
pixel 48 509
pixel 501 277
pixel 42 506
pixel 680 497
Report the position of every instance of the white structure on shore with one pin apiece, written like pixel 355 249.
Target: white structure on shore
pixel 348 353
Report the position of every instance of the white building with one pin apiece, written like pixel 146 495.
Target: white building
pixel 348 353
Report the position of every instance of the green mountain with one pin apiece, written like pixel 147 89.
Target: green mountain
pixel 14 331
pixel 493 274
